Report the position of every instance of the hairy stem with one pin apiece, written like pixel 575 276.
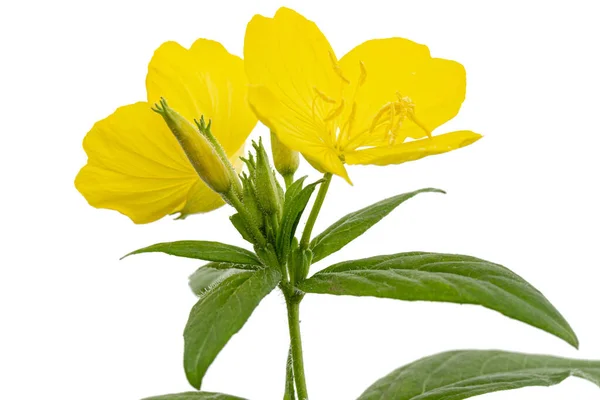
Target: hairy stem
pixel 314 213
pixel 293 307
pixel 290 391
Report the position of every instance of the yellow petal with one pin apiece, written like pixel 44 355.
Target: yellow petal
pixel 412 150
pixel 204 80
pixel 136 166
pixel 278 119
pixel 200 198
pixel 395 65
pixel 289 61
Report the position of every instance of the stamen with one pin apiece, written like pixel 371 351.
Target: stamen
pixel 378 116
pixel 335 112
pixel 336 68
pixel 324 97
pixel 314 107
pixel 363 74
pixel 395 129
pixel 347 128
pixel 390 132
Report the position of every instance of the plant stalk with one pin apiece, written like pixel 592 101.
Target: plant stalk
pixel 314 213
pixel 288 179
pixel 290 391
pixel 293 307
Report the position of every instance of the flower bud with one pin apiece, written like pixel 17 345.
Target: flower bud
pixel 268 192
pixel 201 154
pixel 285 159
pixel 250 202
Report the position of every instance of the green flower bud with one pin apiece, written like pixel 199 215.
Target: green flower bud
pixel 250 202
pixel 286 160
pixel 268 191
pixel 199 151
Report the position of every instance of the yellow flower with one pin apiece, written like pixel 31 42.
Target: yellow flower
pixel 378 104
pixel 135 164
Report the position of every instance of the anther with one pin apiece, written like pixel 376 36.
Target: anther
pixel 324 97
pixel 380 114
pixel 363 74
pixel 336 68
pixel 335 112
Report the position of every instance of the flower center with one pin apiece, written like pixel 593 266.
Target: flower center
pixel 339 123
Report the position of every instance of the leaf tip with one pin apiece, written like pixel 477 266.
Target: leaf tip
pixel 574 341
pixel 130 254
pixel 193 379
pixel 436 190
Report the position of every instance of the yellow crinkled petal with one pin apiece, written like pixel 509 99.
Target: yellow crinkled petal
pixel 288 60
pixel 205 80
pixel 395 65
pixel 276 117
pixel 135 166
pixel 413 150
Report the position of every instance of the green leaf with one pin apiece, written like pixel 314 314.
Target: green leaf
pixel 240 225
pixel 457 375
pixel 211 274
pixel 355 224
pixel 293 209
pixel 203 250
pixel 443 277
pixel 195 396
pixel 294 189
pixel 220 312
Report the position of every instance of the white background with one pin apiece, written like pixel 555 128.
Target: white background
pixel 76 323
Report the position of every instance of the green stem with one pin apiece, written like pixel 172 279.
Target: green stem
pixel 290 393
pixel 293 307
pixel 310 223
pixel 288 179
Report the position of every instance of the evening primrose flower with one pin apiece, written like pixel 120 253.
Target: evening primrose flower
pixel 378 104
pixel 135 163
